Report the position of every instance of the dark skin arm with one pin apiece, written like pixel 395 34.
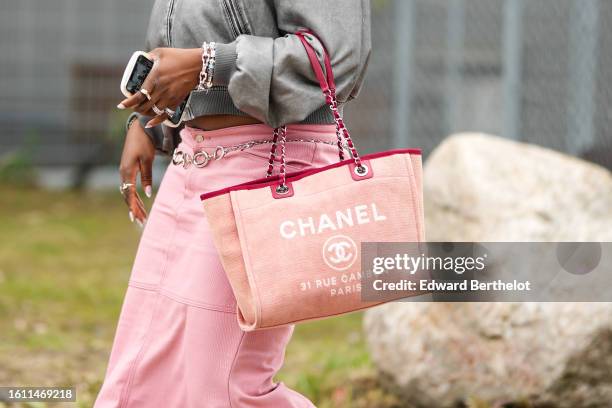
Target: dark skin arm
pixel 137 157
pixel 175 73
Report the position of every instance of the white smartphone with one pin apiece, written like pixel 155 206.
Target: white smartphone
pixel 136 71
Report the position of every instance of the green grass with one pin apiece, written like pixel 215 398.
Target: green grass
pixel 64 263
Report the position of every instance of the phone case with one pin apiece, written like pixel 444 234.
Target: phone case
pixel 128 73
pixel 170 124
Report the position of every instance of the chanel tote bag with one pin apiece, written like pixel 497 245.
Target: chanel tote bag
pixel 290 243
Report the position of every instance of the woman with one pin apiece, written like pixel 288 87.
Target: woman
pixel 178 343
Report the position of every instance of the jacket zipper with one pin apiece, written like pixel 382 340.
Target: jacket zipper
pixel 231 10
pixel 169 23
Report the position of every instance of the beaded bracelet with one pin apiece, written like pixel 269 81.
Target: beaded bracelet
pixel 208 66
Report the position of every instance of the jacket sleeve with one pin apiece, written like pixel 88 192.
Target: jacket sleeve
pixel 272 80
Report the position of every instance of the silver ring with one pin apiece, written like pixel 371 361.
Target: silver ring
pixel 157 111
pixel 145 93
pixel 170 112
pixel 123 187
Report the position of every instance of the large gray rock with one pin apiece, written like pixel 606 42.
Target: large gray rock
pixel 484 188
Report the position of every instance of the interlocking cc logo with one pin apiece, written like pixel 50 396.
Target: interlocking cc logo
pixel 339 252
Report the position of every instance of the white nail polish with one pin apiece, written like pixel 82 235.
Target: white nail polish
pixel 131 216
pixel 121 106
pixel 140 224
pixel 148 191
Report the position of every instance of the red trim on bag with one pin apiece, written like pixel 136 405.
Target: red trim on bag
pixel 268 181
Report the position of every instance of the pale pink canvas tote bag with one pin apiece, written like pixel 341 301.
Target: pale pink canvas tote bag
pixel 290 244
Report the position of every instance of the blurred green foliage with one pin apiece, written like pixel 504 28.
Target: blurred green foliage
pixel 16 166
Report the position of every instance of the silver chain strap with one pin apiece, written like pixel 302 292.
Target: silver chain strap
pixel 202 158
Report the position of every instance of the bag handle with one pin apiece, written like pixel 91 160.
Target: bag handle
pixel 328 86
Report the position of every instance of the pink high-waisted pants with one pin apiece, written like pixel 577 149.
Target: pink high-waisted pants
pixel 178 344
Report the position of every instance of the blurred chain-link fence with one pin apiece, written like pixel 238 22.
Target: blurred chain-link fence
pixel 531 70
pixel 536 71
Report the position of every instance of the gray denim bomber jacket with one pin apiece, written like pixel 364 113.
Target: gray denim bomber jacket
pixel 261 68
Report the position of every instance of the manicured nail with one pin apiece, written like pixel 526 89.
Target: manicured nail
pixel 121 106
pixel 131 216
pixel 140 224
pixel 148 191
pixel 148 126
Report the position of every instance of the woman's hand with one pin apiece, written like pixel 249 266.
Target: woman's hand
pixel 138 155
pixel 175 73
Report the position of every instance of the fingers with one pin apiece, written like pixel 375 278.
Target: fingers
pixel 133 101
pixel 156 120
pixel 146 176
pixel 150 82
pixel 142 100
pixel 137 157
pixel 149 113
pixel 137 208
pixel 154 94
pixel 147 106
pixel 137 212
pixel 161 100
pixel 127 174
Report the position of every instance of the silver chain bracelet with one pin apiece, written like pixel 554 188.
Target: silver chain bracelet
pixel 201 158
pixel 208 66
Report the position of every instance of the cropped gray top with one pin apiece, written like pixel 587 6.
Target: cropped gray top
pixel 261 68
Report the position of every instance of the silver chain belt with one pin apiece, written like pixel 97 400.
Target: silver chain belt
pixel 201 158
